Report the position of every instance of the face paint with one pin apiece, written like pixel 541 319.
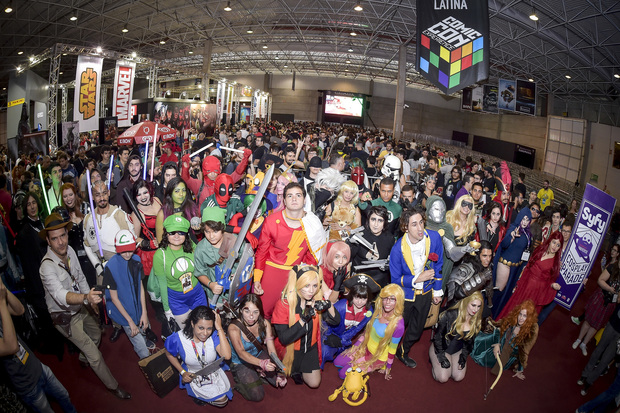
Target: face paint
pixel 357 175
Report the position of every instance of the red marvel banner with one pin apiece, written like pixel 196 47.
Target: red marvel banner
pixel 123 92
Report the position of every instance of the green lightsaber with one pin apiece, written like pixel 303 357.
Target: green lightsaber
pixel 47 202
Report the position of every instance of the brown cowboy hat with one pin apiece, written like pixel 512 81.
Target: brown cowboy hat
pixel 52 222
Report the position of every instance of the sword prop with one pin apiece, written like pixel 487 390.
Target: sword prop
pixel 92 210
pixel 223 273
pixel 381 264
pixel 191 155
pixel 226 148
pixel 146 154
pixel 109 172
pixel 47 202
pixel 136 211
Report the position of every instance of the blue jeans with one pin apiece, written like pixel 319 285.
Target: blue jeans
pixel 600 402
pixel 139 343
pixel 546 310
pixel 48 385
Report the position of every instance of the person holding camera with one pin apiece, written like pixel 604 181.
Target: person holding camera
pixel 297 321
pixel 71 302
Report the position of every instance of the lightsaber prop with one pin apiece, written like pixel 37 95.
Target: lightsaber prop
pixel 109 171
pixel 146 154
pixel 226 148
pixel 47 202
pixel 92 210
pixel 191 155
pixel 154 150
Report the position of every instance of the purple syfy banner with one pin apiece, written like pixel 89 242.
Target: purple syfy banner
pixel 584 244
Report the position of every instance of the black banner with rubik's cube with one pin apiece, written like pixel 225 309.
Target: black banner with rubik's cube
pixel 453 42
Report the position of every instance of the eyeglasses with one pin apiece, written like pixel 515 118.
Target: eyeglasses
pixel 467 204
pixel 184 233
pixel 389 299
pixel 535 210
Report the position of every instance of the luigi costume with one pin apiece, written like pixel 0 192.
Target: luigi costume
pixel 174 269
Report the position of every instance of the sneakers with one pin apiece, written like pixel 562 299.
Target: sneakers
pixel 586 387
pixel 583 348
pixel 581 380
pixel 575 320
pixel 576 344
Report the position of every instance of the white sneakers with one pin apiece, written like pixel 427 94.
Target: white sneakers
pixel 576 344
pixel 582 346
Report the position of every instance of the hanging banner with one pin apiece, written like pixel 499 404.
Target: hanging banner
pixel 87 92
pixel 526 97
pixel 489 99
pixel 123 92
pixel 584 244
pixel 453 42
pixel 507 94
pixel 477 95
pixel 466 98
pixel 220 101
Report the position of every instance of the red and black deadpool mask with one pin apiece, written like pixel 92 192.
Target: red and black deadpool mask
pixel 357 175
pixel 223 189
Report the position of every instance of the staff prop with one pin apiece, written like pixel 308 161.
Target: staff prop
pixel 109 173
pixel 226 148
pixel 92 209
pixel 47 202
pixel 146 154
pixel 6 223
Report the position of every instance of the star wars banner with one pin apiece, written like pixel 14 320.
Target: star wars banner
pixel 453 42
pixel 584 244
pixel 123 92
pixel 87 89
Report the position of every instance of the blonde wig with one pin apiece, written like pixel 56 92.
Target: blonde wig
pixel 452 217
pixel 387 291
pixel 349 186
pixel 476 321
pixel 290 295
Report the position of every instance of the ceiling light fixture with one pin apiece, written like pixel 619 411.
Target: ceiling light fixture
pixel 567 76
pixel 350 50
pixel 264 46
pixel 530 79
pixel 20 53
pixel 99 49
pixel 347 61
pixel 162 42
pixel 353 34
pixel 277 58
pixel 249 31
pixel 227 8
pixel 125 29
pixel 533 15
pixel 617 76
pixel 73 16
pixel 285 66
pixel 9 8
pixel 358 7
pixel 190 52
pixel 134 54
pixel 31 58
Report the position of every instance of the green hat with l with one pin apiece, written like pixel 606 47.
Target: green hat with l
pixel 216 214
pixel 176 223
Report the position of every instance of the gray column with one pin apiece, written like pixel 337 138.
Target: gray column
pixel 206 69
pixel 400 92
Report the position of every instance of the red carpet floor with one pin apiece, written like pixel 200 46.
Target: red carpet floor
pixel 550 384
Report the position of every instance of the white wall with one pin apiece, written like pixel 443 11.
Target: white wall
pixel 599 156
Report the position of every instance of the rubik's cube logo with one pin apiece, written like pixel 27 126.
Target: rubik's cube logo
pixel 448 54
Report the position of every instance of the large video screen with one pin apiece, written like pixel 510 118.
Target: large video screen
pixel 344 105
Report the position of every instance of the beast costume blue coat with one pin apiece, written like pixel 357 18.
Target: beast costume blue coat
pixel 402 272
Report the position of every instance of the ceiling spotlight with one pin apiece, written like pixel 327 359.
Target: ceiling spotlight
pixel 20 53
pixel 567 76
pixel 530 79
pixel 31 58
pixel 353 34
pixel 125 29
pixel 9 8
pixel 277 58
pixel 346 70
pixel 350 50
pixel 99 49
pixel 168 92
pixel 358 7
pixel 199 86
pixel 227 8
pixel 617 76
pixel 73 16
pixel 285 66
pixel 533 15
pixel 225 67
pixel 264 46
pixel 162 42
pixel 249 31
pixel 190 52
pixel 347 61
pixel 60 73
pixel 134 54
pixel 19 68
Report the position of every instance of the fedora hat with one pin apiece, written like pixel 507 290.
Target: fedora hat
pixel 52 222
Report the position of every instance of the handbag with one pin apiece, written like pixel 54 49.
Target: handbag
pixel 433 315
pixel 159 372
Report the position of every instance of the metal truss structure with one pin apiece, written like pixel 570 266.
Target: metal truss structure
pixel 572 51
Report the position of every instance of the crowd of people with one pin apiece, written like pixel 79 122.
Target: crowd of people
pixel 327 243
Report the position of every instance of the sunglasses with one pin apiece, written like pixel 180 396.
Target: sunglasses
pixel 535 210
pixel 184 233
pixel 467 204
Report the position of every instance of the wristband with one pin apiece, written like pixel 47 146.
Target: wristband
pixel 182 372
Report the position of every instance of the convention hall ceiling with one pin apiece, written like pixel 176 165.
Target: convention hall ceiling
pixel 579 39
